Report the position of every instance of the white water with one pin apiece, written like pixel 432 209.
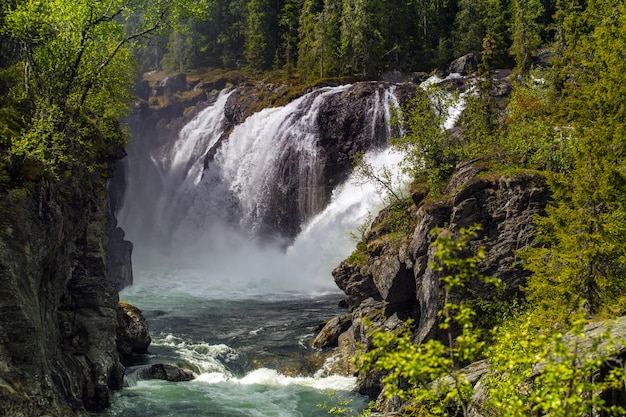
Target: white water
pixel 263 142
pixel 161 182
pixel 451 106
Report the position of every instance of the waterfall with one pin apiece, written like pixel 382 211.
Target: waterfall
pixel 236 232
pixel 266 182
pixel 274 152
pixel 161 181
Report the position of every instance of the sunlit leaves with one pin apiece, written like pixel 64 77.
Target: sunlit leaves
pixel 430 374
pixel 563 375
pixel 78 68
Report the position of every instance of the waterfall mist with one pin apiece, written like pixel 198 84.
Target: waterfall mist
pixel 219 226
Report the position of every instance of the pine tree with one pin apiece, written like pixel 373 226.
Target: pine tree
pixel 362 36
pixel 311 45
pixel 288 20
pixel 583 261
pixel 526 31
pixel 262 36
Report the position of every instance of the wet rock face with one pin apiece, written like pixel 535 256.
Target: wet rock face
pixel 133 335
pixel 346 126
pixel 329 335
pixel 464 65
pixel 396 282
pixel 58 308
pixel 119 255
pixel 166 372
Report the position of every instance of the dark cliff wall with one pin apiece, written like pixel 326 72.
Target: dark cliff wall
pixel 58 307
pixel 396 283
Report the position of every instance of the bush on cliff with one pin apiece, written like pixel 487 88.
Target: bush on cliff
pixel 529 369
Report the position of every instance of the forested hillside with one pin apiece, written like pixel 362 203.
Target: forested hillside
pixel 64 56
pixel 321 38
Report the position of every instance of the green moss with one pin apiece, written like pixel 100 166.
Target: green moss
pixel 497 171
pixel 360 256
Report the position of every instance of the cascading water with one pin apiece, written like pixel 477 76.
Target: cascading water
pixel 268 143
pixel 235 308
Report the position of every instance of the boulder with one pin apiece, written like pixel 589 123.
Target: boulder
pixel 394 77
pixel 171 85
pixel 166 372
pixel 132 330
pixel 329 335
pixel 356 283
pixel 464 65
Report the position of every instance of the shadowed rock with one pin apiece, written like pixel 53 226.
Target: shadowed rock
pixel 396 281
pixel 166 372
pixel 132 330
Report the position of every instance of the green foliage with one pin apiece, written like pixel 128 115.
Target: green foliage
pixel 318 49
pixel 362 37
pixel 262 38
pixel 476 19
pixel 77 71
pixel 427 147
pixel 526 31
pixel 534 372
pixel 429 375
pixel 581 260
pixel 362 229
pixel 338 405
pixel 288 21
pixel 531 138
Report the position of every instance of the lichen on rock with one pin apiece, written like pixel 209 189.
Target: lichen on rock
pixel 133 336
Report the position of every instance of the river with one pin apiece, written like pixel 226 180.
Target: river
pixel 237 309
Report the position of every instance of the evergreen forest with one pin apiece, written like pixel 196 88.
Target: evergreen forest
pixel 67 68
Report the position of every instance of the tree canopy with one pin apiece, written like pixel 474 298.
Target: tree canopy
pixel 76 68
pixel 365 38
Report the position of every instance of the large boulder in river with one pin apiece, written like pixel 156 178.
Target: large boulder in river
pixel 132 330
pixel 166 372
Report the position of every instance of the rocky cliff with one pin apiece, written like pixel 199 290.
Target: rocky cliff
pixel 392 281
pixel 58 303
